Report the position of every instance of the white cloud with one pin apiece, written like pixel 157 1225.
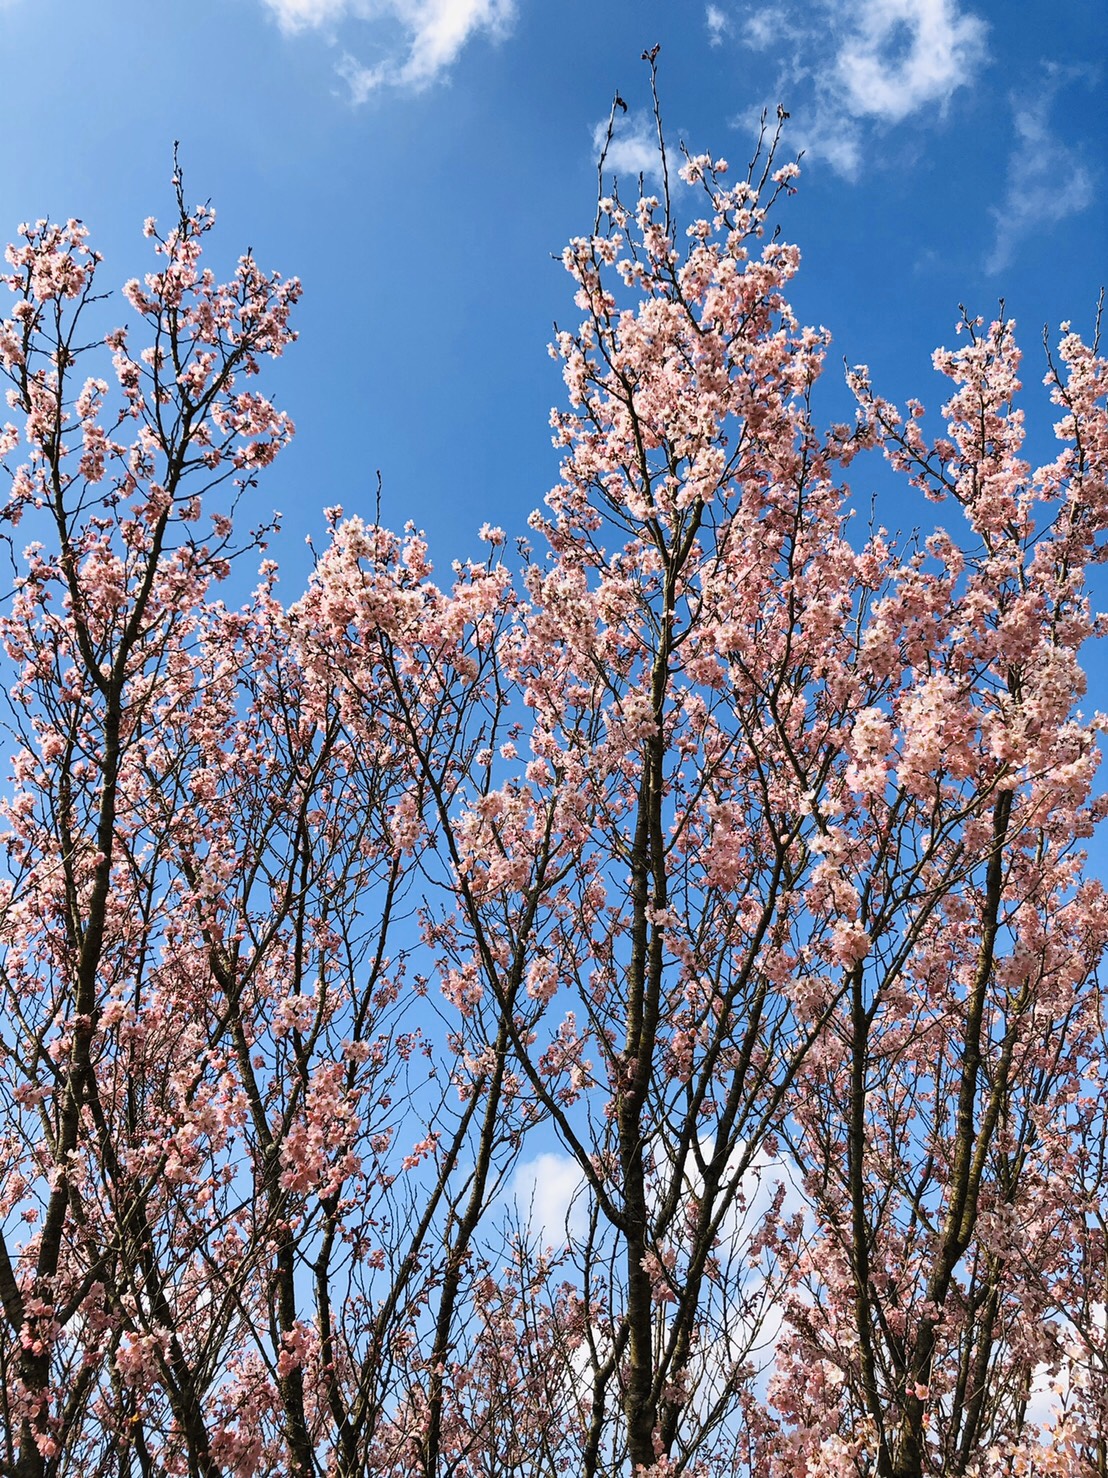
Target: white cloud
pixel 431 34
pixel 633 150
pixel 903 55
pixel 837 140
pixel 1053 1387
pixel 845 68
pixel 547 1191
pixel 718 22
pixel 301 15
pixel 1046 179
pixel 771 26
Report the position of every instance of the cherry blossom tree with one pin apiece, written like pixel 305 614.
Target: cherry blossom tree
pixel 102 625
pixel 727 849
pixel 949 1128
pixel 215 1259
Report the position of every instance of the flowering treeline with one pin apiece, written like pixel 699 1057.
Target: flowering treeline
pixel 727 850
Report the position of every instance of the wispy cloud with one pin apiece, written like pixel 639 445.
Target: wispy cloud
pixel 420 38
pixel 302 15
pixel 771 25
pixel 633 150
pixel 718 23
pixel 848 67
pixel 1047 180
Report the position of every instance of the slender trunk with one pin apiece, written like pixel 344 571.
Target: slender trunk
pixel 644 995
pixel 970 1148
pixel 88 939
pixel 859 1220
pixel 301 1452
pixel 452 1279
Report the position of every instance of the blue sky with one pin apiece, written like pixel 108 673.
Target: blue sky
pixel 419 163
